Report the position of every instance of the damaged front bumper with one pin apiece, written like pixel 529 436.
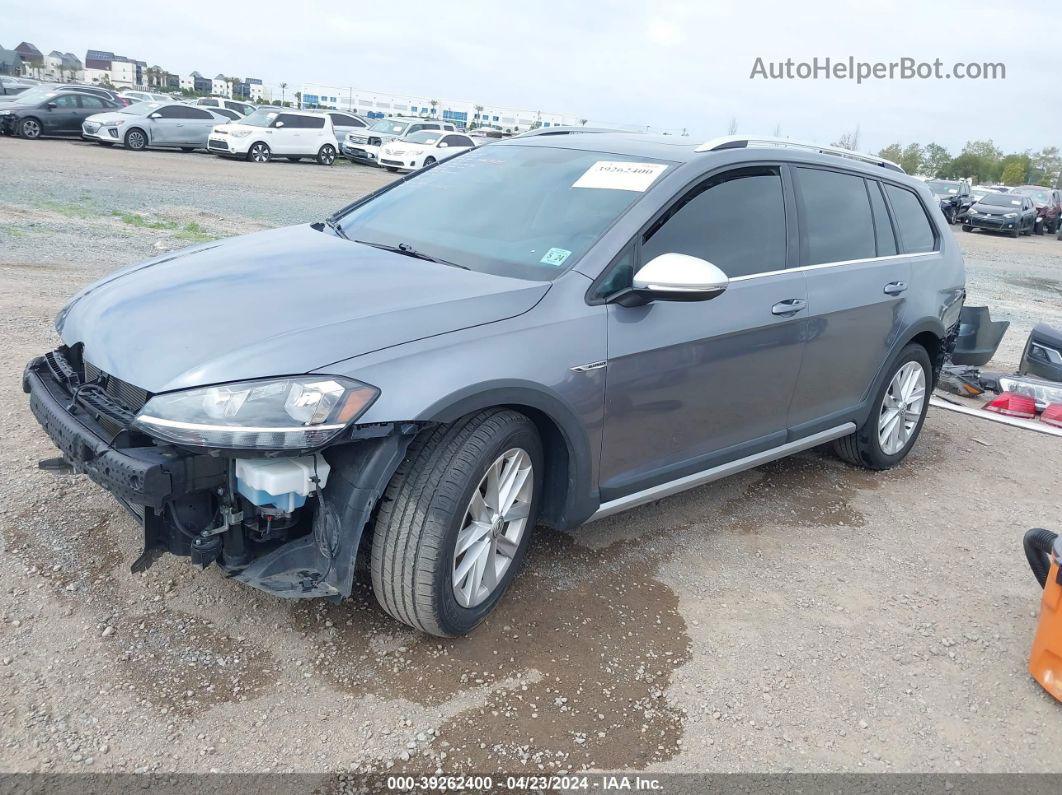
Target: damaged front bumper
pixel 187 502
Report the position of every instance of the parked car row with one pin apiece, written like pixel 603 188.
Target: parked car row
pixel 1022 210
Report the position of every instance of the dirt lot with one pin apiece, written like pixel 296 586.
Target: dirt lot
pixel 804 616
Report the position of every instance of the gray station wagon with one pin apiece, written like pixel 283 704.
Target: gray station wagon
pixel 543 331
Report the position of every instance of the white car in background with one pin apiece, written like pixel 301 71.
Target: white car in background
pixel 273 132
pixel 145 96
pixel 363 146
pixel 422 149
pixel 243 108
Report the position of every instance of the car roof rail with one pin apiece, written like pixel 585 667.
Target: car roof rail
pixel 744 142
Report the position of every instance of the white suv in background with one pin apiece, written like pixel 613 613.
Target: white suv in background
pixel 273 132
pixel 422 149
pixel 243 108
pixel 363 146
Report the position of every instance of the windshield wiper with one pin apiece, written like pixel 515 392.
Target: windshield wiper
pixel 333 224
pixel 407 250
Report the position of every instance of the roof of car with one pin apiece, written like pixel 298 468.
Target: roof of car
pixel 684 149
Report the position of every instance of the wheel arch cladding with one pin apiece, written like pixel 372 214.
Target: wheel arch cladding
pixel 570 496
pixel 930 334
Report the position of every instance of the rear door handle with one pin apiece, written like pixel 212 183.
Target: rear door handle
pixel 895 288
pixel 788 307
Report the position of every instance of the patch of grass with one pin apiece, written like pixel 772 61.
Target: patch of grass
pixel 139 221
pixel 10 230
pixel 69 210
pixel 195 233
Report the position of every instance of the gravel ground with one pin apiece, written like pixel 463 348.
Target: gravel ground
pixel 805 616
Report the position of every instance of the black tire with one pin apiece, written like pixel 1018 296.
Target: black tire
pixel 421 513
pixel 136 140
pixel 1016 232
pixel 29 128
pixel 949 215
pixel 428 161
pixel 863 448
pixel 967 228
pixel 1051 228
pixel 187 148
pixel 259 152
pixel 326 155
pixel 392 169
pixel 1037 228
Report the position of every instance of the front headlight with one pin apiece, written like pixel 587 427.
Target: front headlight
pixel 1010 215
pixel 240 133
pixel 296 413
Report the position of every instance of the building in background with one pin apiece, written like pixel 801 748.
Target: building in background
pixel 10 62
pixel 221 87
pixel 464 113
pixel 64 67
pixel 104 67
pixel 32 59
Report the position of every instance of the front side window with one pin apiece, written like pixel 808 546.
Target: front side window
pixel 65 101
pixel 531 219
pixel 735 220
pixel 260 118
pixel 836 217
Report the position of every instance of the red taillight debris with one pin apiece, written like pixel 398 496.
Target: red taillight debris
pixel 1013 405
pixel 1053 415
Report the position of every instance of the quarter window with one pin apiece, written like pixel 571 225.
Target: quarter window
pixel 93 102
pixel 916 232
pixel 836 213
pixel 735 220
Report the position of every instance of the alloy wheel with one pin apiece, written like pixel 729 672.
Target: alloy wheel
pixel 901 408
pixel 260 153
pixel 492 528
pixel 31 128
pixel 326 156
pixel 135 140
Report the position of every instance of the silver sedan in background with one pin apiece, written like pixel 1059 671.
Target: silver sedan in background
pixel 153 124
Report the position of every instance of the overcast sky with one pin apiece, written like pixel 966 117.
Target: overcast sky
pixel 666 64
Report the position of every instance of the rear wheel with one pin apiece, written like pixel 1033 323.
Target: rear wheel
pixel 889 433
pixel 259 153
pixel 30 128
pixel 326 156
pixel 453 526
pixel 135 139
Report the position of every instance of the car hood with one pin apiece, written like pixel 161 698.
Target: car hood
pixel 108 117
pixel 993 209
pixel 280 302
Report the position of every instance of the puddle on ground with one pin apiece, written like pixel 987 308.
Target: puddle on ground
pixel 574 665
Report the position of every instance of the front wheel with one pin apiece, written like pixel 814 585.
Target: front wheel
pixel 428 161
pixel 949 215
pixel 889 433
pixel 1037 228
pixel 258 153
pixel 30 128
pixel 967 228
pixel 135 140
pixel 453 526
pixel 326 156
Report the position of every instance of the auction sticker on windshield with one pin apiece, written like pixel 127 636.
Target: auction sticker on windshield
pixel 620 175
pixel 555 256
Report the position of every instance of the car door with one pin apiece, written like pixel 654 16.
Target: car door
pixel 89 106
pixel 61 114
pixel 196 125
pixel 858 272
pixel 693 384
pixel 284 135
pixel 167 125
pixel 313 134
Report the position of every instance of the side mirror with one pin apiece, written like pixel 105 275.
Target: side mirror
pixel 443 144
pixel 155 116
pixel 278 124
pixel 51 106
pixel 674 277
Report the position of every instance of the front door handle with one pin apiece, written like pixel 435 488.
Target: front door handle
pixel 895 288
pixel 789 307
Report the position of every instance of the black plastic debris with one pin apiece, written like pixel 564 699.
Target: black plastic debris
pixel 979 336
pixel 1043 353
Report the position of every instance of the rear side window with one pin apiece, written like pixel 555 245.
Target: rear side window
pixel 311 122
pixel 916 232
pixel 735 220
pixel 838 225
pixel 883 233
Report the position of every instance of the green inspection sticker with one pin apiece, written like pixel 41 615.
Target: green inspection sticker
pixel 555 256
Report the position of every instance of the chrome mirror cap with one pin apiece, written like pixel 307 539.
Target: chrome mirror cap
pixel 681 276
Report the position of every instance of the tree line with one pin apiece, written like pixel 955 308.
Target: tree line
pixel 981 161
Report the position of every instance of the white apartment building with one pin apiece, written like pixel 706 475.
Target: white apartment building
pixel 220 87
pixel 461 112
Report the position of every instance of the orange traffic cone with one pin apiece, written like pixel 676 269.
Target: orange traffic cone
pixel 1044 550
